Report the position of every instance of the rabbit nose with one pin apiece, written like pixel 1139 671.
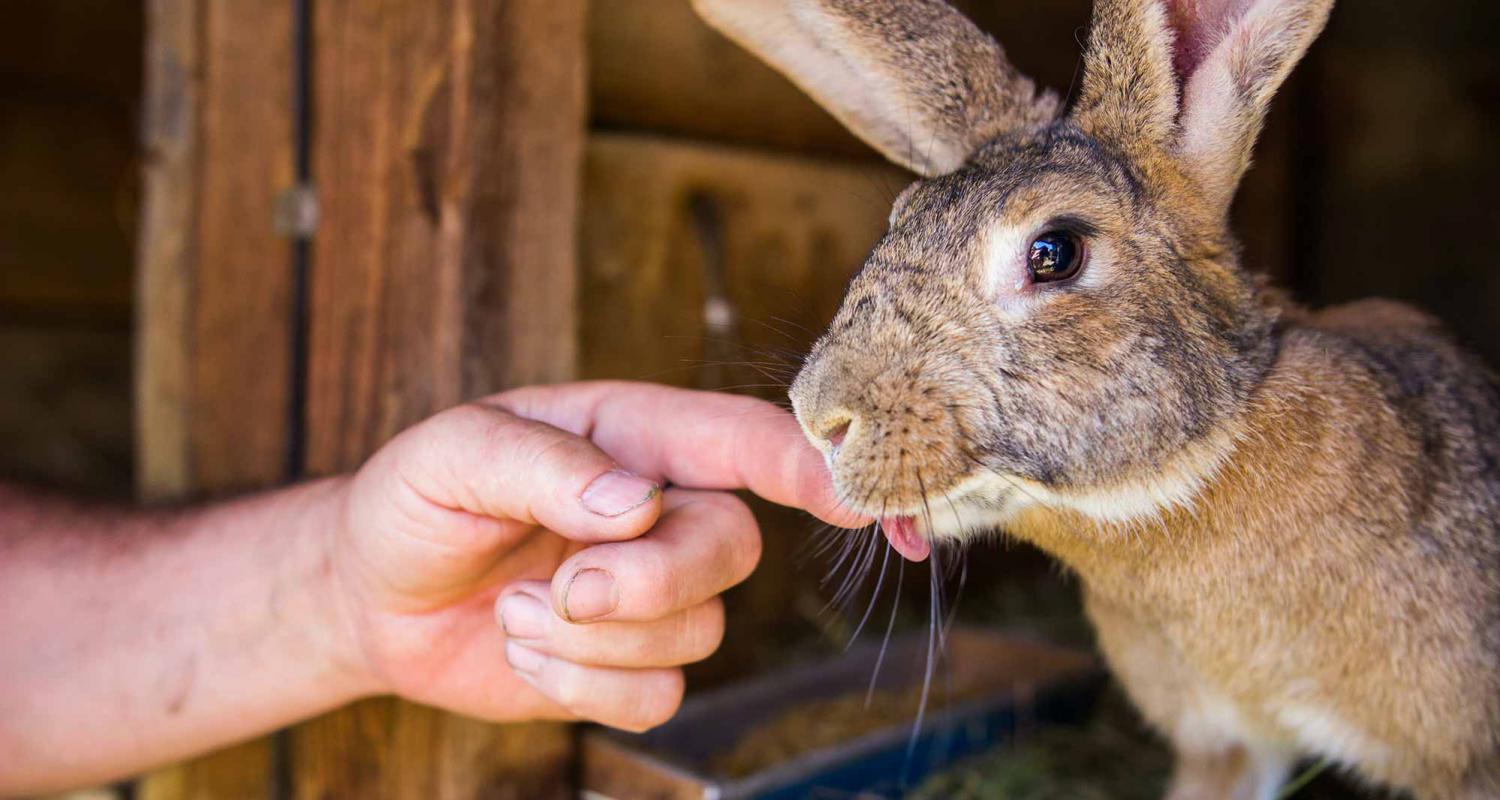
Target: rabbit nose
pixel 834 431
pixel 836 436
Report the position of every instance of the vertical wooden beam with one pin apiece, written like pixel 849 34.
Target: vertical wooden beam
pixel 447 158
pixel 167 246
pixel 213 319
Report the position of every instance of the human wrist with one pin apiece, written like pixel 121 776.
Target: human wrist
pixel 333 613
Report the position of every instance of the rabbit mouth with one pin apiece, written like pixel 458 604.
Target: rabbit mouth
pixel 975 506
pixel 906 537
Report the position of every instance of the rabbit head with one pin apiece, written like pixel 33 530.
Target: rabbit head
pixel 1057 313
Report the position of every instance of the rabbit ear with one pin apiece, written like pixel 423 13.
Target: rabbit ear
pixel 1129 91
pixel 1235 54
pixel 913 78
pixel 1193 78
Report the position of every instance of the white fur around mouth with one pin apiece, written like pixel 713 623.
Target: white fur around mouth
pixel 977 505
pixel 986 500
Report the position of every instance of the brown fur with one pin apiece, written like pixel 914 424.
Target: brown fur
pixel 1287 523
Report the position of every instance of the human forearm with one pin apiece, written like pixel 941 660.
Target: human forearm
pixel 129 639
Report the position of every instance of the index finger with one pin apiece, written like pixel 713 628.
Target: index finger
pixel 693 439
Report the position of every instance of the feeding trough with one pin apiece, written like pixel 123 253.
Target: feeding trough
pixel 807 732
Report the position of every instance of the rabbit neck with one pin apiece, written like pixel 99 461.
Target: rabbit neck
pixel 1281 474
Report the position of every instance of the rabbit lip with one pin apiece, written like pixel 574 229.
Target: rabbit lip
pixel 970 505
pixel 906 537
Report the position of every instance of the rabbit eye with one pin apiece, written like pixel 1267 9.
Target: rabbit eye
pixel 1054 256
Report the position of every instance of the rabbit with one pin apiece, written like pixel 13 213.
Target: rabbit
pixel 1283 521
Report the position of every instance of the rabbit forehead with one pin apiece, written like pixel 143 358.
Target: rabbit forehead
pixel 975 224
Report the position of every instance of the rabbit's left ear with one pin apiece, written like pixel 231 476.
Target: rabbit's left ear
pixel 1194 77
pixel 913 78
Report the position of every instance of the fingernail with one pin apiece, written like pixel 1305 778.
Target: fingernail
pixel 616 492
pixel 523 659
pixel 524 617
pixel 590 595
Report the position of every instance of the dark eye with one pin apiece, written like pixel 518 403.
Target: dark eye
pixel 1054 256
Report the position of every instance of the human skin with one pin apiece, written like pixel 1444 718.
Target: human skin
pixel 511 559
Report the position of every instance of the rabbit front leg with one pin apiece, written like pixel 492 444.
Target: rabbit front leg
pixel 1216 758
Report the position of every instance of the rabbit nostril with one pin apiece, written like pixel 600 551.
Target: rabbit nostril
pixel 836 436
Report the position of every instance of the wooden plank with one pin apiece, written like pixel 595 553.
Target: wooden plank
pixel 167 247
pixel 214 314
pixel 242 287
pixel 447 156
pixel 715 267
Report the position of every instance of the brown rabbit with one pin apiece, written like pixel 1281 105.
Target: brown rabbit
pixel 1285 522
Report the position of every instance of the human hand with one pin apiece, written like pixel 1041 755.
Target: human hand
pixel 543 507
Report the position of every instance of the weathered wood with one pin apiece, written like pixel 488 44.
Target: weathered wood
pixel 790 232
pixel 447 156
pixel 167 247
pixel 241 334
pixel 715 267
pixel 214 313
pixel 213 328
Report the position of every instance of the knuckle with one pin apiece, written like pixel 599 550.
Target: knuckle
pixel 738 532
pixel 742 544
pixel 569 689
pixel 704 631
pixel 656 587
pixel 750 551
pixel 471 419
pixel 660 702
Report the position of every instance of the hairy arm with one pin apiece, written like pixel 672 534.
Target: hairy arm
pixel 514 558
pixel 133 638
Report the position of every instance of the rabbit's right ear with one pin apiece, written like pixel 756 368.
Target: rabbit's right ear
pixel 913 78
pixel 1193 78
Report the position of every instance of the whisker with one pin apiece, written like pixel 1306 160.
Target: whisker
pixel 890 626
pixel 932 624
pixel 875 594
pixel 857 573
pixel 850 545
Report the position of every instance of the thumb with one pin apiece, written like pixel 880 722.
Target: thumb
pixel 490 462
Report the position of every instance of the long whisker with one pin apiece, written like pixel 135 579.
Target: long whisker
pixel 890 626
pixel 851 545
pixel 874 595
pixel 857 574
pixel 963 575
pixel 932 620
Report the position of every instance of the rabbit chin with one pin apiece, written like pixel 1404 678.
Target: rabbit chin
pixel 986 501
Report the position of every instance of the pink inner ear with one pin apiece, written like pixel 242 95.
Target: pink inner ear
pixel 1199 26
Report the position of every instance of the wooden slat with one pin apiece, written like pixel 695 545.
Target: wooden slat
pixel 699 261
pixel 214 315
pixel 167 247
pixel 242 287
pixel 447 156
